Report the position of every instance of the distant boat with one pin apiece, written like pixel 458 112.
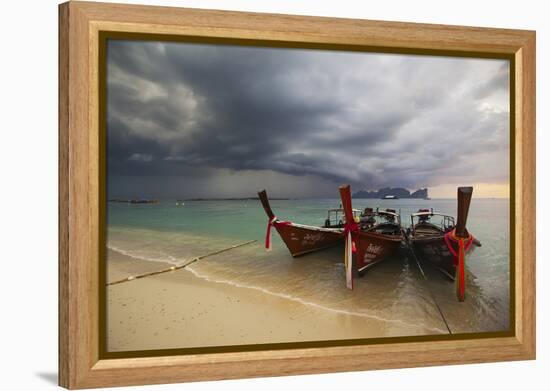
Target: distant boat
pixel 390 197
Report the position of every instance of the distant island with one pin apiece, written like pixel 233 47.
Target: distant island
pixel 232 199
pixel 155 201
pixel 134 201
pixel 392 193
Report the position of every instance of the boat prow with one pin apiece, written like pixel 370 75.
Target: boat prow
pixel 369 241
pixel 300 239
pixel 445 245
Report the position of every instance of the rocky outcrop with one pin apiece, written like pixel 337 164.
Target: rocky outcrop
pixel 399 192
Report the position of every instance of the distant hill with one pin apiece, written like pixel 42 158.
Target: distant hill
pixel 399 192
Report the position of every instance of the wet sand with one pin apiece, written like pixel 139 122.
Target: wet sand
pixel 180 309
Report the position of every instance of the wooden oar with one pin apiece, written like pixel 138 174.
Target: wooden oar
pixel 345 195
pixel 461 233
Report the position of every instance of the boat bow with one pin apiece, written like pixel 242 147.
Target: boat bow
pixel 300 239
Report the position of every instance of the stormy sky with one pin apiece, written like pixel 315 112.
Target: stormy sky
pixel 193 120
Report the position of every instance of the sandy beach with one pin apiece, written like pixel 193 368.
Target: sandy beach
pixel 179 309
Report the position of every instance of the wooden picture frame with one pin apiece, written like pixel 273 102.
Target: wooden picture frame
pixel 81 162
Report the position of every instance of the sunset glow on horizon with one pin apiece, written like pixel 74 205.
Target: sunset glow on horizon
pixel 481 190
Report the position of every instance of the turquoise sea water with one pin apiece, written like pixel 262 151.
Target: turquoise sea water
pixel 394 290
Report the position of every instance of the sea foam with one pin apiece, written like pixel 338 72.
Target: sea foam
pixel 309 303
pixel 165 258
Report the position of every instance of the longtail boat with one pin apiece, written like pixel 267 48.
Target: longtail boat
pixel 368 241
pixel 445 245
pixel 301 239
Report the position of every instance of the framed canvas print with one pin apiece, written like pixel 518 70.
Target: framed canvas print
pixel 251 194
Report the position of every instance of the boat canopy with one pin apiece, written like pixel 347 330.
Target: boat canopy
pixel 387 213
pixel 335 217
pixel 340 210
pixel 424 215
pixel 431 213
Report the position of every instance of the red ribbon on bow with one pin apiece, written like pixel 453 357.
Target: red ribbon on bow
pixel 451 237
pixel 272 223
pixel 460 272
pixel 459 260
pixel 352 228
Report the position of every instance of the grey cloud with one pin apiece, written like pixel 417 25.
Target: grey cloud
pixel 499 82
pixel 367 119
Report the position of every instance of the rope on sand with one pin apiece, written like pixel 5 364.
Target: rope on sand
pixel 176 267
pixel 409 245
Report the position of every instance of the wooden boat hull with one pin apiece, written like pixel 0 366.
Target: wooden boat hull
pixel 299 239
pixel 372 247
pixel 435 251
pixel 445 246
pixel 303 239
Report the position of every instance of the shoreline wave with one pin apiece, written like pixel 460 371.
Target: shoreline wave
pixel 171 259
pixel 308 303
pixel 282 295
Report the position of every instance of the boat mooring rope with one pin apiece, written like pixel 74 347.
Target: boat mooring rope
pixel 177 267
pixel 429 289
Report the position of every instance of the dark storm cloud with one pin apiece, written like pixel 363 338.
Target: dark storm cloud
pixel 368 119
